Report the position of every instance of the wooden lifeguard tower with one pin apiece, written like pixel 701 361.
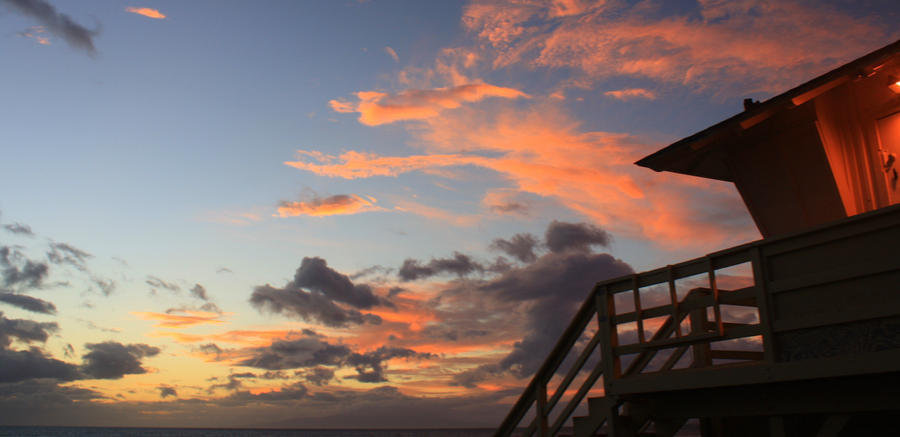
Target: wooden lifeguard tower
pixel 797 334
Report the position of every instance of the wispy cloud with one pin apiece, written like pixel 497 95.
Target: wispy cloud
pixel 186 319
pixel 631 94
pixel 37 33
pixel 377 108
pixel 147 12
pixel 392 53
pixel 341 204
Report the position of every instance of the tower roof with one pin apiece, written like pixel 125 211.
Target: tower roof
pixel 697 155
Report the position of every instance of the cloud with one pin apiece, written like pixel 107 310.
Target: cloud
pixel 318 375
pixel 561 236
pixel 157 283
pixel 166 391
pixel 19 229
pixel 113 360
pixel 542 152
pixel 199 292
pixel 459 264
pixel 37 33
pixel 28 303
pixel 147 12
pixel 631 94
pixel 738 46
pixel 520 247
pixel 24 330
pixel 56 23
pixel 370 365
pixel 34 363
pixel 341 204
pixel 392 53
pixel 318 358
pixel 19 271
pixel 377 108
pixel 62 253
pixel 315 294
pixel 188 319
pixel 308 351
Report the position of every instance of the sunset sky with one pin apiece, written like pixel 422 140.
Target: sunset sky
pixel 354 213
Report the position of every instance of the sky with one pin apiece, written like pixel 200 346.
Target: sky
pixel 333 214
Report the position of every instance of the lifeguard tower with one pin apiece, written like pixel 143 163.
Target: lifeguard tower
pixel 797 334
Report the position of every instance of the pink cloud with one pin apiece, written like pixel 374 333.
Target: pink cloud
pixel 377 108
pixel 631 94
pixel 739 43
pixel 341 204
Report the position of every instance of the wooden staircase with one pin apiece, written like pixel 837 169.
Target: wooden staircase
pixel 789 336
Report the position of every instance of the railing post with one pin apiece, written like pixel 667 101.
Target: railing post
pixel 542 413
pixel 673 296
pixel 637 308
pixel 763 304
pixel 701 350
pixel 606 319
pixel 720 326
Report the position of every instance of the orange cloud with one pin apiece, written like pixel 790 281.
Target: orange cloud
pixel 543 152
pixel 341 204
pixel 738 43
pixel 147 12
pixel 377 108
pixel 631 94
pixel 189 318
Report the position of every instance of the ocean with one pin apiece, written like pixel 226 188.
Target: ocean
pixel 72 431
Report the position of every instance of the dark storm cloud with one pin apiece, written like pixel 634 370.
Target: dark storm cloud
pixel 199 292
pixel 28 303
pixel 561 236
pixel 155 282
pixel 33 363
pixel 370 365
pixel 57 23
pixel 314 294
pixel 24 330
pixel 112 360
pixel 307 306
pixel 19 271
pixel 318 375
pixel 19 228
pixel 459 264
pixel 520 247
pixel 318 357
pixel 62 253
pixel 309 351
pixel 166 391
pixel 314 274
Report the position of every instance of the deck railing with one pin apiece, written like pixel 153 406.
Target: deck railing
pixel 645 334
pixel 668 336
